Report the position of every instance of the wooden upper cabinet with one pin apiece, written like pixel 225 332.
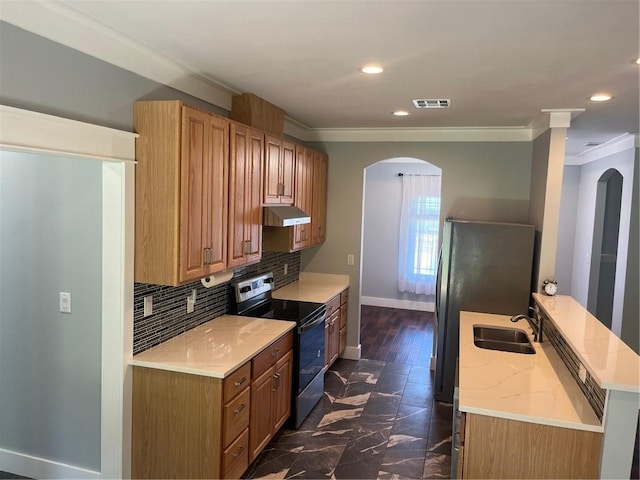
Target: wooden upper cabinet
pixel 181 193
pixel 319 198
pixel 279 171
pixel 245 195
pixel 303 196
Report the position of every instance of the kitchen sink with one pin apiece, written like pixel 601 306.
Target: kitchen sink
pixel 504 339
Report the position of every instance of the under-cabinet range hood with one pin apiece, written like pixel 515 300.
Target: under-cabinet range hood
pixel 284 216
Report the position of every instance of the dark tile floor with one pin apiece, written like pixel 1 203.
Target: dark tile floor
pixel 376 420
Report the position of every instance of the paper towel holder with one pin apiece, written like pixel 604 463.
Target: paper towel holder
pixel 217 279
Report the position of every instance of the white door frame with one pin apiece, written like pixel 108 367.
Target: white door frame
pixel 32 132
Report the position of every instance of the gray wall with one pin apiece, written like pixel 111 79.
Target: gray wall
pixel 631 305
pixel 47 77
pixel 381 224
pixel 484 180
pixel 50 362
pixel 589 176
pixel 567 228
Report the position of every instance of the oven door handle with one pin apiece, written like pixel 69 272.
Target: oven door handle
pixel 312 323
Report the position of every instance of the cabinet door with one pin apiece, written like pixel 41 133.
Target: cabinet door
pixel 195 174
pixel 319 213
pixel 216 256
pixel 287 173
pixel 261 421
pixel 303 196
pixel 237 194
pixel 245 196
pixel 272 180
pixel 282 401
pixel 253 218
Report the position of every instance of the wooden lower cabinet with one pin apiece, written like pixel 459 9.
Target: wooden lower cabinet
pixel 270 397
pixel 501 448
pixel 193 426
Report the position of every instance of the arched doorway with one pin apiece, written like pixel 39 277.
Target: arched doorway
pixel 398 326
pixel 604 250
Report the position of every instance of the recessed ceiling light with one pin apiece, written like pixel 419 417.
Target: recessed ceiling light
pixel 401 113
pixel 372 69
pixel 638 61
pixel 600 97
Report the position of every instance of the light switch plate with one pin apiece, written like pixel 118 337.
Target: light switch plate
pixel 65 302
pixel 350 259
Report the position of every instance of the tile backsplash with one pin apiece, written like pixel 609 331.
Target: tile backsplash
pixel 170 317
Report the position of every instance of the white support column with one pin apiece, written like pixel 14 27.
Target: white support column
pixel 620 424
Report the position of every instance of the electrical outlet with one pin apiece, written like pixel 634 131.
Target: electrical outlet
pixel 350 259
pixel 191 304
pixel 148 306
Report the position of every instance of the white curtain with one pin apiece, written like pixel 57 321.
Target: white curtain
pixel 419 223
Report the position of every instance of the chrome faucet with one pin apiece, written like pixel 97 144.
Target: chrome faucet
pixel 536 328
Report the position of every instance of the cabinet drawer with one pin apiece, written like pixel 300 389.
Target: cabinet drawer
pixel 236 382
pixel 344 296
pixel 333 305
pixel 236 416
pixel 270 355
pixel 235 459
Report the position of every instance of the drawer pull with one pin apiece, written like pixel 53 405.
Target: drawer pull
pixel 242 380
pixel 238 410
pixel 237 453
pixel 275 352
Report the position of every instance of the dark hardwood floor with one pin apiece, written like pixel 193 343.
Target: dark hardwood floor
pixel 396 336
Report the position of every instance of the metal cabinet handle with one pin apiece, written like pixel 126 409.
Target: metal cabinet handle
pixel 247 247
pixel 238 453
pixel 206 256
pixel 275 352
pixel 238 383
pixel 239 409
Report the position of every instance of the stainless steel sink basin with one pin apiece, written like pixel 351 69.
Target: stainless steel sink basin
pixel 502 338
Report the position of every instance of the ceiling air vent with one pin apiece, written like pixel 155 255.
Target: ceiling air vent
pixel 593 144
pixel 432 103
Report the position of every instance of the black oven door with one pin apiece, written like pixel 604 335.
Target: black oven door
pixel 311 340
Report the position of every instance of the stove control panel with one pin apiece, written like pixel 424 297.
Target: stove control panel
pixel 252 287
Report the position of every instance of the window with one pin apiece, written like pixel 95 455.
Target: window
pixel 419 226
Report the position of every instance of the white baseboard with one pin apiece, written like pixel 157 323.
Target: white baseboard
pixel 34 467
pixel 393 303
pixel 351 353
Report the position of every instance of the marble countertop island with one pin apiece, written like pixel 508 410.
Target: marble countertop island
pixel 533 388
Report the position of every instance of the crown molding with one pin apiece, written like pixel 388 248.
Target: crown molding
pixel 427 134
pixel 613 146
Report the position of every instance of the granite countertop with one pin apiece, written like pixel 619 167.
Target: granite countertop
pixel 533 388
pixel 313 287
pixel 216 348
pixel 612 364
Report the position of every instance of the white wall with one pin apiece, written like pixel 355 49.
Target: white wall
pixel 567 228
pixel 50 362
pixel 589 176
pixel 381 223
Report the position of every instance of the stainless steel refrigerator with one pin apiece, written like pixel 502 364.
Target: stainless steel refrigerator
pixel 484 267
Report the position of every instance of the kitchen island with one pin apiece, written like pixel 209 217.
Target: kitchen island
pixel 569 410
